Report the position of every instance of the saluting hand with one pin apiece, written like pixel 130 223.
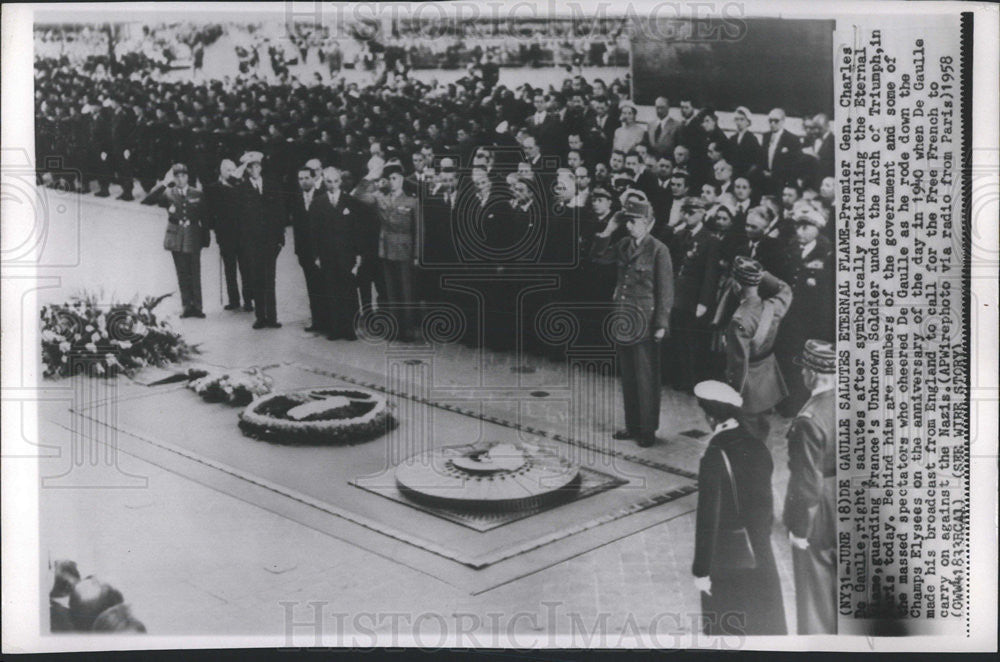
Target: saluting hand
pixel 659 334
pixel 703 584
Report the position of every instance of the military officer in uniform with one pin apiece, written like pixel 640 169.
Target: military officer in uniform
pixel 694 292
pixel 812 492
pixel 185 233
pixel 751 368
pixel 644 296
pixel 809 267
pixel 398 214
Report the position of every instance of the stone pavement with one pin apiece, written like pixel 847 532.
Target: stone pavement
pixel 192 560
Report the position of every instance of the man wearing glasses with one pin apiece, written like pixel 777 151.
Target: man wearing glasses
pixel 780 152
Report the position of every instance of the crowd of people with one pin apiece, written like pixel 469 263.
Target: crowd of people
pixel 498 155
pixel 87 604
pixel 511 205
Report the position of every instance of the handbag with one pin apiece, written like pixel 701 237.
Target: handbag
pixel 733 550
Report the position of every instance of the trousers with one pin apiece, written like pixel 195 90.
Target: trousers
pixel 639 363
pixel 316 291
pixel 399 292
pixel 233 262
pixel 264 267
pixel 188 267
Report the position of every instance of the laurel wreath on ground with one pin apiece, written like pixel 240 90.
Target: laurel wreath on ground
pixel 328 416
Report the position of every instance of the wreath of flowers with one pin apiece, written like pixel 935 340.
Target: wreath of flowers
pixel 84 335
pixel 364 416
pixel 235 389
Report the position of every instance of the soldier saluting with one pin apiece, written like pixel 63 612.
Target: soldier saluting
pixel 751 368
pixel 186 234
pixel 644 295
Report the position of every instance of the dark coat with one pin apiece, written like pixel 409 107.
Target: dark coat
pixel 645 284
pixel 745 153
pixel 263 216
pixel 812 280
pixel 750 597
pixel 786 157
pixel 222 212
pixel 336 231
pixel 693 283
pixel 306 243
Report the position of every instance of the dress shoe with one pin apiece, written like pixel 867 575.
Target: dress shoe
pixel 186 314
pixel 646 440
pixel 248 307
pixel 260 324
pixel 232 306
pixel 125 197
pixel 198 314
pixel 274 325
pixel 312 328
pixel 334 336
pixel 102 194
pixel 624 434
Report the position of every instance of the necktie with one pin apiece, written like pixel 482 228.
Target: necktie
pixel 753 248
pixel 772 148
pixel 656 135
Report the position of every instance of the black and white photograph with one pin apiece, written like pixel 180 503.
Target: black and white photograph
pixel 499 325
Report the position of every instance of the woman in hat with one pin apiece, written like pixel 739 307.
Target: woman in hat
pixel 734 566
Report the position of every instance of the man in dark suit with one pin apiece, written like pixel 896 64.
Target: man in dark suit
pixel 334 223
pixel 781 151
pixel 644 179
pixel 307 246
pixel 222 206
pixel 811 276
pixel 185 233
pixel 602 120
pixel 644 295
pixel 264 231
pixel 823 148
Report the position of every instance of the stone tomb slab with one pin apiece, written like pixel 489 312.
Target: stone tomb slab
pixel 318 486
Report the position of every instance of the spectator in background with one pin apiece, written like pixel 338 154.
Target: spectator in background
pixel 630 133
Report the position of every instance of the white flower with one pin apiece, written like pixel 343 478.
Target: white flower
pixel 76 336
pixel 125 344
pixel 64 346
pixel 90 347
pixel 63 359
pixel 95 337
pixel 140 328
pixel 102 321
pixel 100 369
pixel 89 328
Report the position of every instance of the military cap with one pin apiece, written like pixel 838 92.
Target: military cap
pixel 694 202
pixel 637 208
pixel 747 271
pixel 715 391
pixel 808 214
pixel 601 192
pixel 178 168
pixel 391 168
pixel 819 356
